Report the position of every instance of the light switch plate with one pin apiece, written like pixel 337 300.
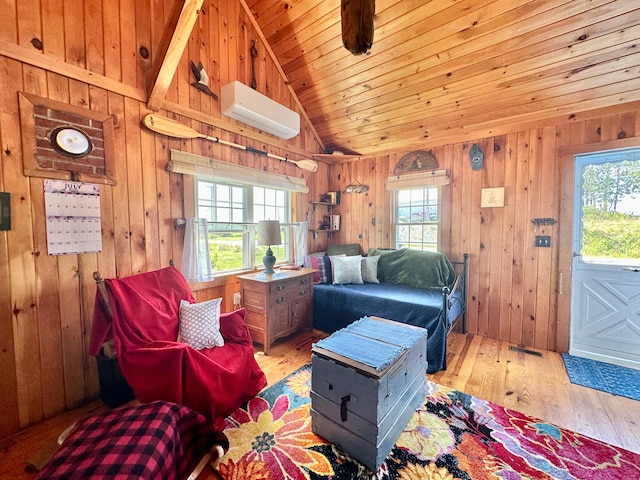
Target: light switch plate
pixel 543 241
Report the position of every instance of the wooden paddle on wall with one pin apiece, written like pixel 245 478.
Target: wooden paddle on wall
pixel 171 128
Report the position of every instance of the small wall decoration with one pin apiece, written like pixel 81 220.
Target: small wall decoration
pixel 5 211
pixel 202 79
pixel 476 156
pixel 66 142
pixel 416 161
pixel 356 187
pixel 73 217
pixel 254 55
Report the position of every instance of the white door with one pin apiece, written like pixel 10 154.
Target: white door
pixel 605 303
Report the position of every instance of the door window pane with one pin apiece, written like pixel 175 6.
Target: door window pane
pixel 611 212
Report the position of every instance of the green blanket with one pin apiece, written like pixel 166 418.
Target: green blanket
pixel 414 268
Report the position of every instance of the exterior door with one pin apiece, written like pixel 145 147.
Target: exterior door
pixel 605 304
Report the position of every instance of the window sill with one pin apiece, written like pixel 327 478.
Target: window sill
pixel 227 278
pixel 218 280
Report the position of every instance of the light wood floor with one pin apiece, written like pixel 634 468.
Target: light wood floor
pixel 486 368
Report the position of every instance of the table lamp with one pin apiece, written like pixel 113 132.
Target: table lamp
pixel 269 234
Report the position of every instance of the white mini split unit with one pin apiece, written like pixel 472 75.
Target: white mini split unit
pixel 251 107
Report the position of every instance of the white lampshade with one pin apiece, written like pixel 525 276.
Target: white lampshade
pixel 269 232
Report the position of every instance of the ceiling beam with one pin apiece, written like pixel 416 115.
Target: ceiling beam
pixel 178 31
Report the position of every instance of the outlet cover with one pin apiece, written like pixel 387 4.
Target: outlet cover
pixel 236 298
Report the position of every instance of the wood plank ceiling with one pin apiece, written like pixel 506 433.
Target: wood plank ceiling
pixel 443 71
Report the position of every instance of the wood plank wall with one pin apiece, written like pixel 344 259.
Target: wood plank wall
pixel 46 302
pixel 514 290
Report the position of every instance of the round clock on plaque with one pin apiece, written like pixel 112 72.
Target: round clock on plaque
pixel 70 141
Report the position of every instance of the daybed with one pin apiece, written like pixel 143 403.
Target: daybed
pixel 424 289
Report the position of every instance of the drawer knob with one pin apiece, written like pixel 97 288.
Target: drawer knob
pixel 304 281
pixel 279 299
pixel 280 288
pixel 303 291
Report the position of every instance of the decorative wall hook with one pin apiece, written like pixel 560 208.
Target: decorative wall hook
pixel 543 221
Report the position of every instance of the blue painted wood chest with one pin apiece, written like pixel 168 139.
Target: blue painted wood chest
pixel 366 382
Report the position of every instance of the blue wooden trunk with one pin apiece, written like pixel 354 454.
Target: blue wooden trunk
pixel 364 408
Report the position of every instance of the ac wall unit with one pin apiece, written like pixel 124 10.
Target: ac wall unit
pixel 251 107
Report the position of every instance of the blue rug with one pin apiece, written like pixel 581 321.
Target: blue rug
pixel 606 377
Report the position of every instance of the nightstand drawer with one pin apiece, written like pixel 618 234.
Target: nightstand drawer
pixel 287 285
pixel 288 294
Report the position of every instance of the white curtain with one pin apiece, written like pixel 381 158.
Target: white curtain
pixel 196 262
pixel 300 231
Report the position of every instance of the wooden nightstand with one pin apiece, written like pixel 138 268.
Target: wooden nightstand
pixel 277 305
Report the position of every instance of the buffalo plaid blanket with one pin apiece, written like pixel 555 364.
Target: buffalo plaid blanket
pixel 156 440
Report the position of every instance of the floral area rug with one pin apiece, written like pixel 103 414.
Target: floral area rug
pixel 452 435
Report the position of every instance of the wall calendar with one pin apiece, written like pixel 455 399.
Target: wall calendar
pixel 73 217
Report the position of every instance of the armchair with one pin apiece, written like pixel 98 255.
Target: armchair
pixel 141 314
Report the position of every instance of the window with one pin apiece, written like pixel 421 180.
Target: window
pixel 233 211
pixel 417 218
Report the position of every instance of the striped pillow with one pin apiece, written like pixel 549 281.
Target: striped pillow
pixel 323 267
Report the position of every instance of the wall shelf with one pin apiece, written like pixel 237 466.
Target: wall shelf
pixel 326 204
pixel 336 157
pixel 327 231
pixel 315 205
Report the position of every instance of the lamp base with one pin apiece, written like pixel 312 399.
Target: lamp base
pixel 269 260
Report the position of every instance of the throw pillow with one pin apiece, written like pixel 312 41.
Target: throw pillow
pixel 332 271
pixel 200 324
pixel 347 270
pixel 370 269
pixel 322 264
pixel 312 262
pixel 416 268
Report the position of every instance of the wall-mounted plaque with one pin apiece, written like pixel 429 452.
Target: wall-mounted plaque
pixel 492 197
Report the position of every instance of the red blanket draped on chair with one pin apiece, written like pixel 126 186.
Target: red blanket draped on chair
pixel 145 308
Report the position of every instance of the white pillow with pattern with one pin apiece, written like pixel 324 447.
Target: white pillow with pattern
pixel 347 270
pixel 200 324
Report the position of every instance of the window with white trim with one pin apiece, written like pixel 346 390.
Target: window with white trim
pixel 233 211
pixel 417 218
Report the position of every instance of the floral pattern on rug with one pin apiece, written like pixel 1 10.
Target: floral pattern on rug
pixel 453 435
